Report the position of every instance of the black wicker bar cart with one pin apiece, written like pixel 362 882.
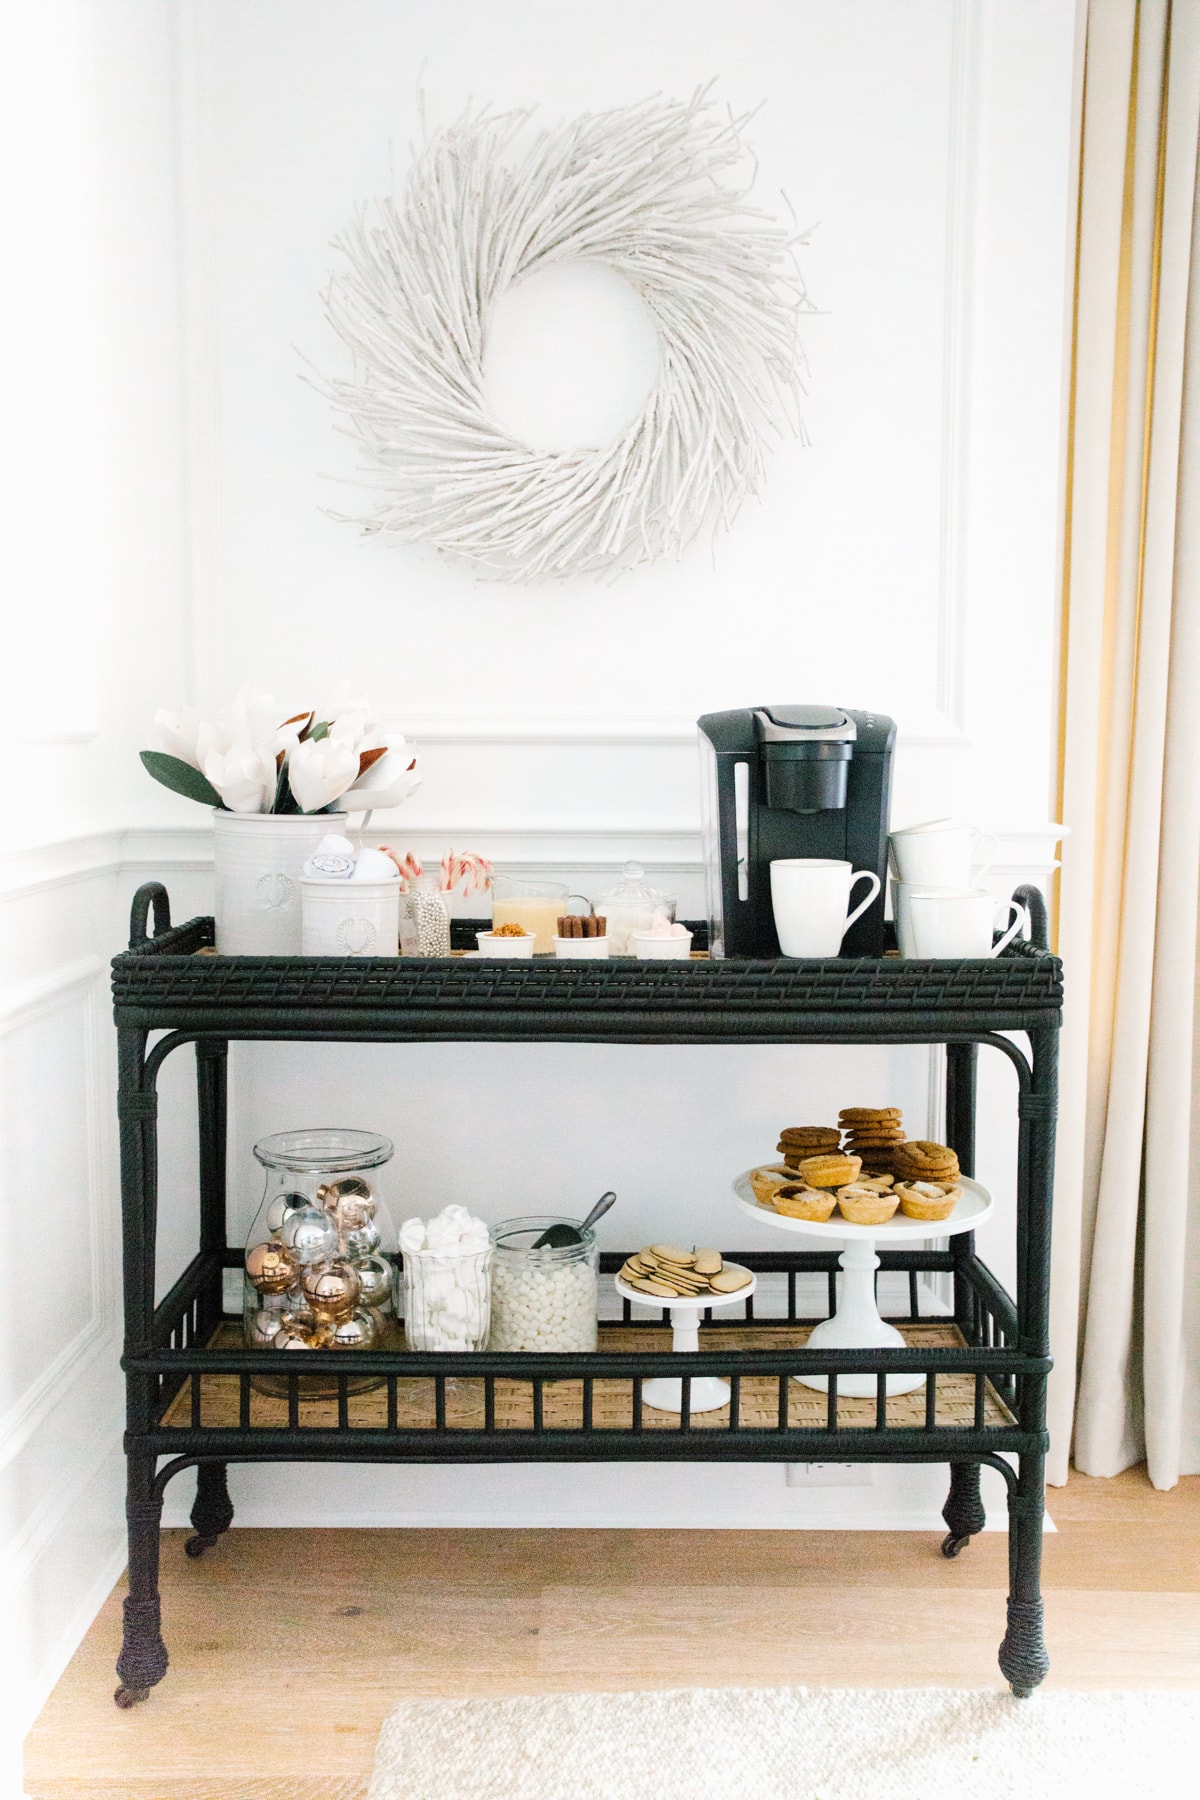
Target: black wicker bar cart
pixel 192 1395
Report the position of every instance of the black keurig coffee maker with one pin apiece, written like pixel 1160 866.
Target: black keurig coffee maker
pixel 782 781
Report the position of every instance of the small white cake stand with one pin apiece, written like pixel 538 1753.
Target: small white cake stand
pixel 708 1391
pixel 856 1325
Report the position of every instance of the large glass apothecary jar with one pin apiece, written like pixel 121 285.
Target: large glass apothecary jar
pixel 317 1273
pixel 543 1297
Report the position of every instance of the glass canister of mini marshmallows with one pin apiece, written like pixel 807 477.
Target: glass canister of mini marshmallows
pixel 543 1296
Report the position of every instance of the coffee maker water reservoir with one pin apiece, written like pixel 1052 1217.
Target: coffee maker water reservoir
pixel 790 781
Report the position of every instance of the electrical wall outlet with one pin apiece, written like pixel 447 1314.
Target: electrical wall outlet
pixel 828 1474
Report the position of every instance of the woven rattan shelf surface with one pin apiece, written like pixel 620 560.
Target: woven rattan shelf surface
pixel 612 1401
pixel 166 979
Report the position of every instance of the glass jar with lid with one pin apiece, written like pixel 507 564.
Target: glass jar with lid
pixel 318 1270
pixel 543 1297
pixel 630 906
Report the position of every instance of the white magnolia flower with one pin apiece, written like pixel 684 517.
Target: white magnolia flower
pixel 387 782
pixel 240 752
pixel 321 769
pixel 176 736
pixel 352 765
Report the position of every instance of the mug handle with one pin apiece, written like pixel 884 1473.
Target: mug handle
pixel 979 870
pixel 860 909
pixel 1021 922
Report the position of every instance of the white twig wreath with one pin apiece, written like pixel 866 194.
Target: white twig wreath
pixel 638 188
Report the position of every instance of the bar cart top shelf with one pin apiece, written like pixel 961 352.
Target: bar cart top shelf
pixel 175 978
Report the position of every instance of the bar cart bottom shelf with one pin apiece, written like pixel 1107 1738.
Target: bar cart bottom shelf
pixel 220 1398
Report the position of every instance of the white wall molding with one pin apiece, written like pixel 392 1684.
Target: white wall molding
pixel 546 844
pixel 77 982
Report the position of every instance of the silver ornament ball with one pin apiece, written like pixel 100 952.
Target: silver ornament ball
pixel 375 1281
pixel 309 1235
pixel 281 1206
pixel 358 1332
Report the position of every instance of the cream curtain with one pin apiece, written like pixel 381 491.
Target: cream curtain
pixel 1130 774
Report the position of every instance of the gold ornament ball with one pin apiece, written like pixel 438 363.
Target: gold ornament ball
pixel 348 1201
pixel 290 1337
pixel 271 1268
pixel 358 1332
pixel 375 1282
pixel 331 1290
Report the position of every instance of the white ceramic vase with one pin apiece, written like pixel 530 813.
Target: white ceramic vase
pixel 259 860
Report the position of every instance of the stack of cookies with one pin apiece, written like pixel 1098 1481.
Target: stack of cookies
pixel 925 1161
pixel 873 1134
pixel 799 1141
pixel 669 1272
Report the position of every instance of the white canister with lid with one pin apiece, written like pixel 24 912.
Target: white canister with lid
pixel 630 907
pixel 350 918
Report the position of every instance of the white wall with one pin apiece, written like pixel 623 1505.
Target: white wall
pixel 91 568
pixel 906 560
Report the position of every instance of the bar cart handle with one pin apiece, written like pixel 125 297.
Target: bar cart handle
pixel 1039 924
pixel 151 893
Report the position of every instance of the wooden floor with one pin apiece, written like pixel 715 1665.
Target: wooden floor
pixel 288 1647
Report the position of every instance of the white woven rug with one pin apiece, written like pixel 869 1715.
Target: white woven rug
pixel 792 1744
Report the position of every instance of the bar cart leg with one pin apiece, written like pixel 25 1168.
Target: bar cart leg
pixel 1023 1659
pixel 963 1511
pixel 143 1659
pixel 212 1512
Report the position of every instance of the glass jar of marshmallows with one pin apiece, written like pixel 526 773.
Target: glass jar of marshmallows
pixel 543 1298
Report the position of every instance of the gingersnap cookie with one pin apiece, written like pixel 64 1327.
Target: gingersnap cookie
pixel 866 1206
pixel 817 1137
pixel 814 1204
pixel 829 1171
pixel 922 1160
pixel 927 1200
pixel 869 1115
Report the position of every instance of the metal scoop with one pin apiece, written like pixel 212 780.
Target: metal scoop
pixel 557 1237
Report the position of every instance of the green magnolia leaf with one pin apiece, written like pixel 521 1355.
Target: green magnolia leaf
pixel 180 777
pixel 319 731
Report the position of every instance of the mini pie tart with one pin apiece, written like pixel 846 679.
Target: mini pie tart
pixel 766 1181
pixel 927 1200
pixel 829 1171
pixel 866 1206
pixel 796 1202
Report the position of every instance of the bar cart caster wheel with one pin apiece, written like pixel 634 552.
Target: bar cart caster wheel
pixel 951 1545
pixel 126 1697
pixel 196 1546
pixel 1020 1693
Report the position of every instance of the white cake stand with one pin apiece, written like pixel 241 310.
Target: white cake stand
pixel 856 1325
pixel 708 1391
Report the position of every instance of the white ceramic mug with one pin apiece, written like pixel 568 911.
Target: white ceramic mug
pixel 959 922
pixel 902 919
pixel 942 853
pixel 810 897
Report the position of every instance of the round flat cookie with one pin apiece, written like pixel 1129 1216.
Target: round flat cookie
pixel 730 1280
